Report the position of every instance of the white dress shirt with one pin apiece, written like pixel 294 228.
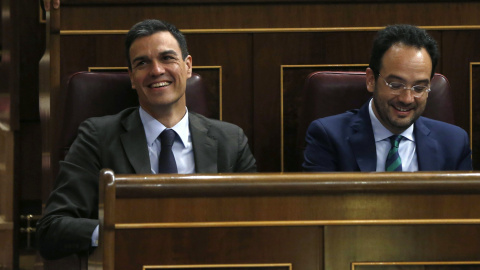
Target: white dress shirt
pixel 406 148
pixel 182 146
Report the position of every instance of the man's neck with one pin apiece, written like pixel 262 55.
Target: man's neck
pixel 169 117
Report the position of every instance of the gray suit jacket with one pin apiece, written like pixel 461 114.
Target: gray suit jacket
pixel 118 142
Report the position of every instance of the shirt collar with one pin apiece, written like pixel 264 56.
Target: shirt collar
pixel 153 128
pixel 381 133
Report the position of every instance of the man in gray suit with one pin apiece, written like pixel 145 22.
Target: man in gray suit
pixel 129 143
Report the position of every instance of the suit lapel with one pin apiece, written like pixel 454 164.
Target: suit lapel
pixel 135 143
pixel 204 146
pixel 362 140
pixel 427 148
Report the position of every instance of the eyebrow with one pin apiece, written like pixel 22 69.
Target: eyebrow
pixel 168 52
pixel 144 57
pixel 402 79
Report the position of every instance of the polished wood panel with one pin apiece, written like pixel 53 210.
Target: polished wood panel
pixel 416 266
pixel 7 210
pixel 420 266
pixel 72 262
pixel 312 221
pixel 272 266
pixel 211 198
pixel 318 49
pixel 233 52
pixel 298 14
pixel 6 173
pixel 9 126
pixel 298 246
pixel 6 255
pixel 435 243
pixel 456 48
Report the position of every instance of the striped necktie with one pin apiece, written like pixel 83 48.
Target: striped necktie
pixel 394 163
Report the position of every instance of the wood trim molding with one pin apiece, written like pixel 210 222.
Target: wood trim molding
pixel 431 263
pixel 270 30
pixel 229 266
pixel 472 65
pixel 129 226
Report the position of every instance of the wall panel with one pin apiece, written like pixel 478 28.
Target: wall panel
pixel 400 243
pixel 251 79
pixel 232 52
pixel 120 15
pixel 297 246
pixel 252 40
pixel 311 48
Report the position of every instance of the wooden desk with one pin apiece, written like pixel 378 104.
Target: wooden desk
pixel 290 221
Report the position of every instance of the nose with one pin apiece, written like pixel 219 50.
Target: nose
pixel 157 69
pixel 406 96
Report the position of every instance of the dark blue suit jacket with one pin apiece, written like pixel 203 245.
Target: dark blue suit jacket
pixel 345 142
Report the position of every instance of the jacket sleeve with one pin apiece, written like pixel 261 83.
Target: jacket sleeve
pixel 465 160
pixel 319 154
pixel 245 161
pixel 71 212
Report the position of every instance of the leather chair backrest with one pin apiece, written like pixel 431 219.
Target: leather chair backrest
pixel 328 93
pixel 91 94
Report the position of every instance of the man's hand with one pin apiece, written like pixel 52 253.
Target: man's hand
pixel 46 3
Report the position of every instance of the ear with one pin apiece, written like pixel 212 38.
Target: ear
pixel 370 80
pixel 188 63
pixel 130 74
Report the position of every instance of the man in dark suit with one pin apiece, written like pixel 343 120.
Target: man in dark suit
pixel 388 133
pixel 130 142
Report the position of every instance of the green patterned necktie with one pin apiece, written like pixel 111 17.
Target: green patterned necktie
pixel 394 163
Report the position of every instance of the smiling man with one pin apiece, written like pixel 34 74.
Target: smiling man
pixel 388 133
pixel 160 136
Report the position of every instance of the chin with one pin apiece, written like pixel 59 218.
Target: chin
pixel 403 124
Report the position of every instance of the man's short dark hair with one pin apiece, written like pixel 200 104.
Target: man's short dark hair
pixel 402 34
pixel 149 27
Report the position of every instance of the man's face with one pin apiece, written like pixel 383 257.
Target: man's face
pixel 410 66
pixel 159 73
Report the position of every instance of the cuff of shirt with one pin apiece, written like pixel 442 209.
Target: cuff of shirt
pixel 95 237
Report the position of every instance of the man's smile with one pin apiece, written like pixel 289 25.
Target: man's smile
pixel 402 110
pixel 160 84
